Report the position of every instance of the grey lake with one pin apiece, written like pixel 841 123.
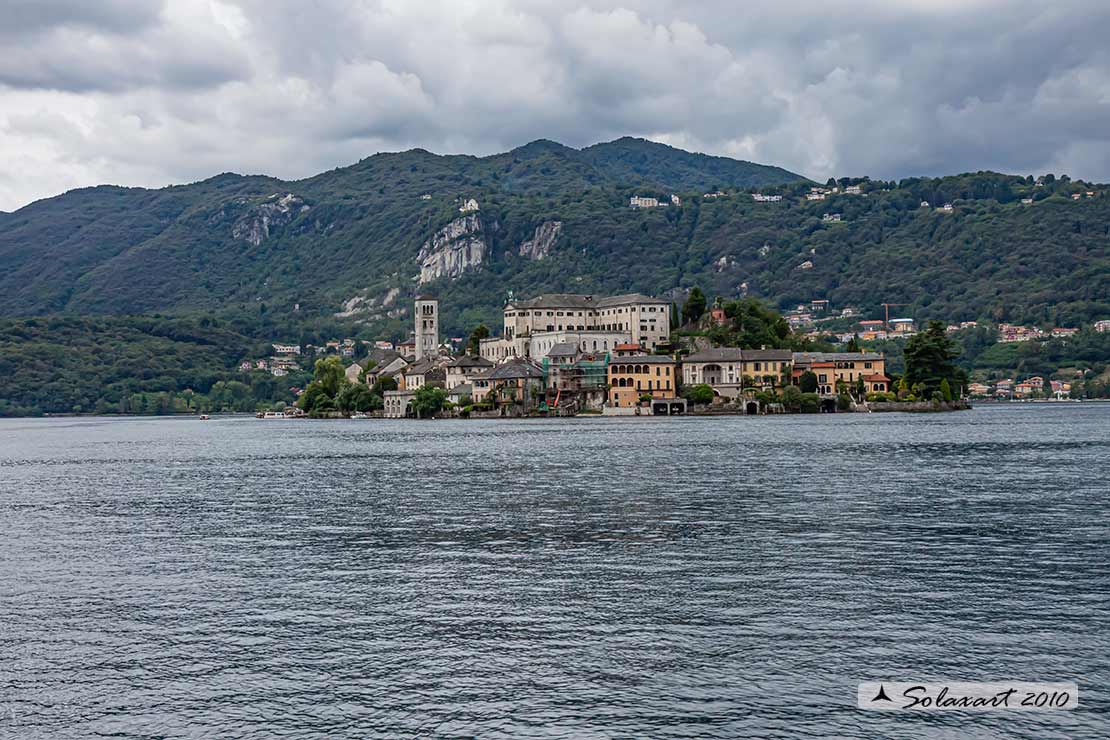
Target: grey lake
pixel 723 577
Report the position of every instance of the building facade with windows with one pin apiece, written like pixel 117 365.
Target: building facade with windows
pixel 641 375
pixel 848 368
pixel 644 319
pixel 729 370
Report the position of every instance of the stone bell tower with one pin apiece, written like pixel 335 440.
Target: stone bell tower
pixel 427 327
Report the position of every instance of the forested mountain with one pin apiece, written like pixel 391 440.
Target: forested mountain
pixel 360 241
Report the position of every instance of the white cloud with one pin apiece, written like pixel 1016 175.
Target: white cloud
pixel 138 92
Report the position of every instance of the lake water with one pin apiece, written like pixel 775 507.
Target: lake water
pixel 685 577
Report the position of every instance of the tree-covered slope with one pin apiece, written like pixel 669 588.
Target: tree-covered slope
pixel 635 160
pixel 360 241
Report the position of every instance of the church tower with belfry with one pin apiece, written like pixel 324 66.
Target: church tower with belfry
pixel 427 327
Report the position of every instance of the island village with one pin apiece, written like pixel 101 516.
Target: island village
pixel 566 354
pixel 569 354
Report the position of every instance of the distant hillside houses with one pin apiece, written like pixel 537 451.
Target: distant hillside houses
pixel 761 198
pixel 469 206
pixel 638 201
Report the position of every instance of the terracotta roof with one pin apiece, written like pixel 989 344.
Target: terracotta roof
pixel 646 359
pixel 877 378
pixel 809 357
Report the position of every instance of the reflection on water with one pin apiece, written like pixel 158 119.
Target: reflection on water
pixel 725 577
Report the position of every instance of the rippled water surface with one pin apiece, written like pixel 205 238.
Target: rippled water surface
pixel 724 577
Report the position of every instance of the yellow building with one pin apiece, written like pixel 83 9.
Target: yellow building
pixel 834 368
pixel 641 375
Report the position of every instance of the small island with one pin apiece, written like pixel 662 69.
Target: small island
pixel 632 355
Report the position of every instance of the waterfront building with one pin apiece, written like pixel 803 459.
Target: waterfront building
pixel 419 374
pixel 729 370
pixel 460 370
pixel 639 375
pixel 516 382
pixel 396 403
pixel 833 368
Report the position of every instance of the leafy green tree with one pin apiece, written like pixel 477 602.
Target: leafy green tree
pixel 428 401
pixel 694 307
pixel 808 382
pixel 930 358
pixel 330 374
pixel 792 398
pixel 751 324
pixel 473 345
pixel 699 394
pixel 811 403
pixel 354 397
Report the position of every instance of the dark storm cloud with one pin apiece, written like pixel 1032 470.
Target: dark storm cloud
pixel 30 16
pixel 137 93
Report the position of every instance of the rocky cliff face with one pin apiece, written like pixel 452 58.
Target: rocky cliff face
pixel 457 248
pixel 255 225
pixel 541 242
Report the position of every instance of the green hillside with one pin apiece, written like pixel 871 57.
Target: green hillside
pixel 552 218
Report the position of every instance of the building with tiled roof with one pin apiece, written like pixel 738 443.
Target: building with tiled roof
pixel 635 376
pixel 843 368
pixel 729 370
pixel 646 320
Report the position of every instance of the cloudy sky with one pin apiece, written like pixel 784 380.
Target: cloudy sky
pixel 143 92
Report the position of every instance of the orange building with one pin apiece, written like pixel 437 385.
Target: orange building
pixel 641 375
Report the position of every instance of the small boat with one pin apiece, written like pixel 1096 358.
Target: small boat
pixel 273 415
pixel 204 417
pixel 359 415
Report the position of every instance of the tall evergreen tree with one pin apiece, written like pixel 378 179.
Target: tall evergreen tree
pixel 694 307
pixel 930 358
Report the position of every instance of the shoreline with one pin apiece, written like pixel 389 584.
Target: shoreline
pixel 966 406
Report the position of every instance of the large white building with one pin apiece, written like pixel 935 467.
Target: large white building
pixel 581 319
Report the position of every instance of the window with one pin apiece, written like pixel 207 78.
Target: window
pixel 823 378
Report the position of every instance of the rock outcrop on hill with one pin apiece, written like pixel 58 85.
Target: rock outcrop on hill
pixel 457 248
pixel 541 242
